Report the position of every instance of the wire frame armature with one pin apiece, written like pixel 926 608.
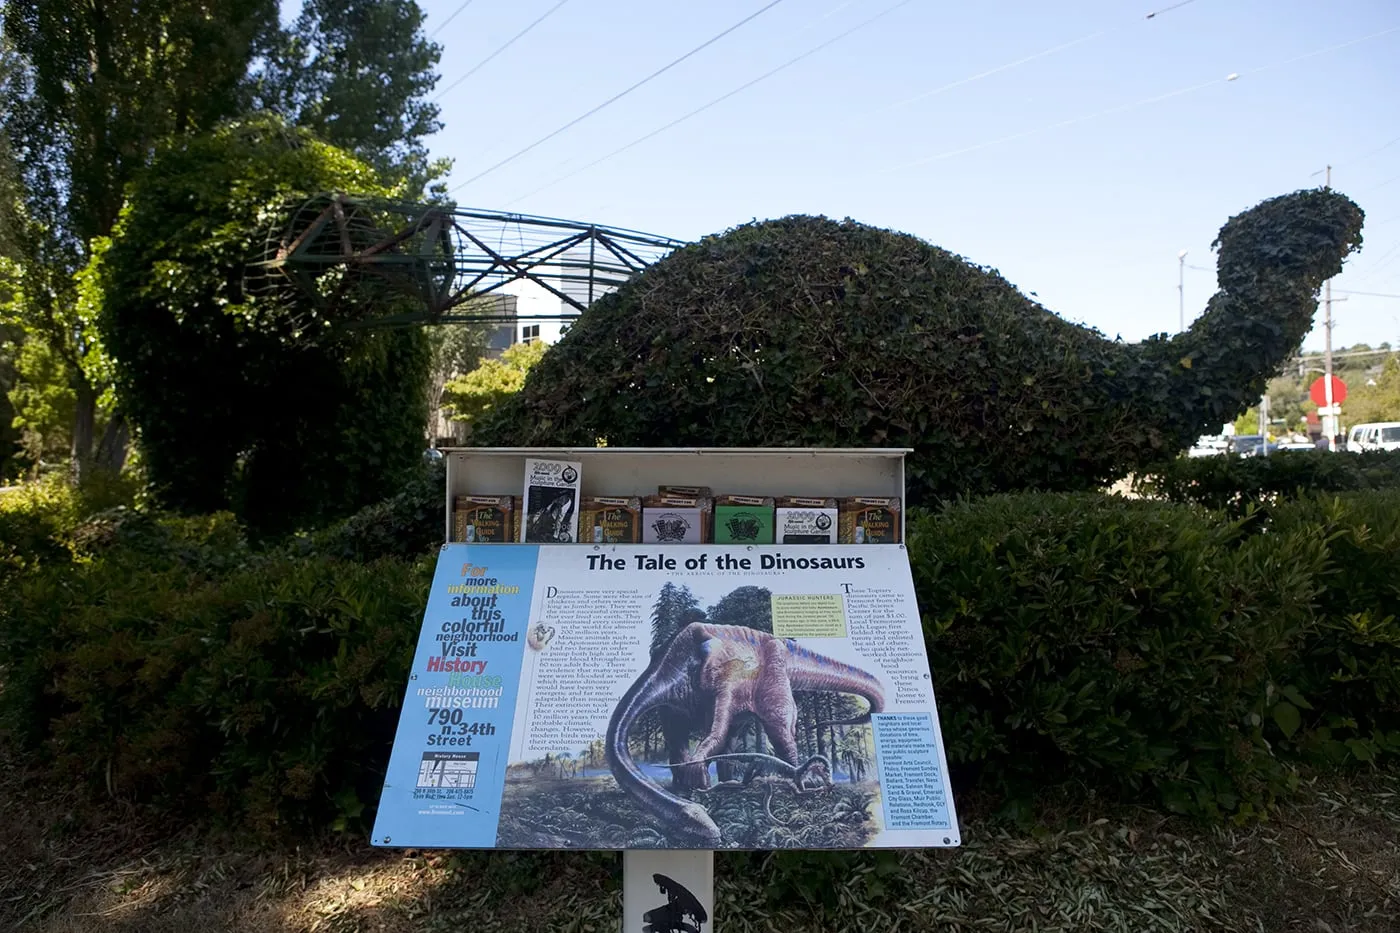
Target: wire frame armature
pixel 366 262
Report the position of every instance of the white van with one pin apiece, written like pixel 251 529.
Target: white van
pixel 1379 435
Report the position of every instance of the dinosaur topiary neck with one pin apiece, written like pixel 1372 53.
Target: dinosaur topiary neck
pixel 1273 259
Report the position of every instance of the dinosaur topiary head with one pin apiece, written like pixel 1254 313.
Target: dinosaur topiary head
pixel 805 331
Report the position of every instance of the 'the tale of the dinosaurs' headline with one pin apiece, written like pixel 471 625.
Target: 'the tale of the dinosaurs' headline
pixel 649 696
pixel 730 559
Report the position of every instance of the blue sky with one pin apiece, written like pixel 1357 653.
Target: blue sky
pixel 1089 215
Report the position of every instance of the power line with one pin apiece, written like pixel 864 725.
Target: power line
pixel 1381 185
pixel 991 71
pixel 482 64
pixel 1376 151
pixel 465 4
pixel 1121 108
pixel 1347 291
pixel 616 97
pixel 1379 263
pixel 1174 6
pixel 1021 61
pixel 718 100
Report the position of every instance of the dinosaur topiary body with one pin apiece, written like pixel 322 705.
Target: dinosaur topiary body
pixel 805 331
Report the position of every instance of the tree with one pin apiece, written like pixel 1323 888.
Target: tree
pixel 675 608
pixel 472 397
pixel 87 97
pixel 41 401
pixel 456 349
pixel 1379 402
pixel 747 605
pixel 356 72
pixel 87 94
pixel 303 421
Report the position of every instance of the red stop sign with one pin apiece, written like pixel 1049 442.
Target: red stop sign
pixel 1318 391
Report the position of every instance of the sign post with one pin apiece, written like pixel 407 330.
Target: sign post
pixel 1328 393
pixel 671 700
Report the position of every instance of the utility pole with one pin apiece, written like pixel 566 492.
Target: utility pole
pixel 1329 421
pixel 1181 288
pixel 1264 424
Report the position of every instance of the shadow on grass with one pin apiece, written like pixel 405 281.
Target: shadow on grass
pixel 1327 861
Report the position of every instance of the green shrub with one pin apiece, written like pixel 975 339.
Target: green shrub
pixel 1348 669
pixel 264 692
pixel 37 519
pixel 1151 650
pixel 1132 646
pixel 32 521
pixel 1238 483
pixel 407 525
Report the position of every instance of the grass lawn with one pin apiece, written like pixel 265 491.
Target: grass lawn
pixel 1329 861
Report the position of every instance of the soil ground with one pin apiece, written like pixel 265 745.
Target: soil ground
pixel 1328 861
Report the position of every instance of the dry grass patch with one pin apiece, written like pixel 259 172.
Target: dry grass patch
pixel 1330 862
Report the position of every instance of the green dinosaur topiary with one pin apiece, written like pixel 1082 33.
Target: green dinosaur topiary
pixel 256 405
pixel 808 332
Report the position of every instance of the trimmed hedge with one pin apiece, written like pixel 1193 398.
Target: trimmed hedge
pixel 1127 645
pixel 1143 649
pixel 1148 647
pixel 1237 483
pixel 406 525
pixel 179 669
pixel 805 331
pixel 1348 669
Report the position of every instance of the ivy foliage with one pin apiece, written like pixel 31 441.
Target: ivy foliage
pixel 805 331
pixel 263 406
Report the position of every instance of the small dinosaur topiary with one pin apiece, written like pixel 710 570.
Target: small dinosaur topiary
pixel 805 331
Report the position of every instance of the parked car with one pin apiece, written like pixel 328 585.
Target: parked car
pixel 1209 445
pixel 1377 435
pixel 1247 445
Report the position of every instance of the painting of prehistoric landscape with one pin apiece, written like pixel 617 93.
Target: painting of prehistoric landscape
pixel 731 738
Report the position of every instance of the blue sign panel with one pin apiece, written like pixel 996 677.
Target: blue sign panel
pixel 448 766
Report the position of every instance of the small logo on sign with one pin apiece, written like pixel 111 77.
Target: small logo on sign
pixel 670 527
pixel 743 526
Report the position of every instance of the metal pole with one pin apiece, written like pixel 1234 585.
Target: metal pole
pixel 592 250
pixel 1264 424
pixel 1329 421
pixel 1181 288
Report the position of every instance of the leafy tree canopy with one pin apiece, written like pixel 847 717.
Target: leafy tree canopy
pixel 357 73
pixel 1379 402
pixel 90 90
pixel 472 397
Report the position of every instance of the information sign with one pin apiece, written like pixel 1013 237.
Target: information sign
pixel 654 696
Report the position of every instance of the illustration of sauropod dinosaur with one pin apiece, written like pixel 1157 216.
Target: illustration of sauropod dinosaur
pixel 818 766
pixel 711 674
